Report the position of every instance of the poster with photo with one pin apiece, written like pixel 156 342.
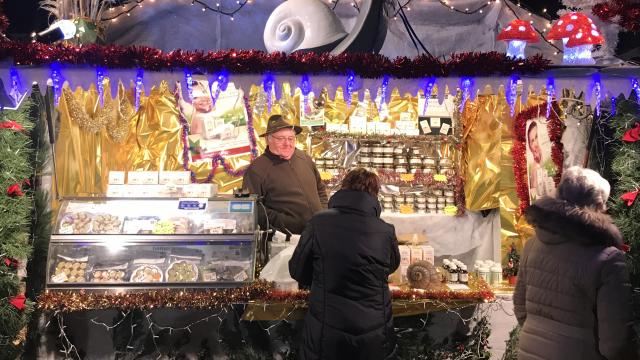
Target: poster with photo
pixel 311 112
pixel 219 129
pixel 540 167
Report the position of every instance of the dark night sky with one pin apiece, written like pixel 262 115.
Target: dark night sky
pixel 25 17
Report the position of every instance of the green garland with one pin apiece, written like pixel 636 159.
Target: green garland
pixel 511 351
pixel 626 177
pixel 16 202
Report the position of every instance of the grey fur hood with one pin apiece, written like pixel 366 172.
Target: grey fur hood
pixel 558 221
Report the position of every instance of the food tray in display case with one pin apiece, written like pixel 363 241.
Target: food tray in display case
pixel 147 243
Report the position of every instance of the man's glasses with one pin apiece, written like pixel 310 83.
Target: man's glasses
pixel 283 139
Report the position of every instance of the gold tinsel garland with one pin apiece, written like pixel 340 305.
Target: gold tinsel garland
pixel 86 122
pixel 119 128
pixel 257 292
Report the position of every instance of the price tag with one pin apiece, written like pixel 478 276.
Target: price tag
pixel 444 129
pixel 424 124
pixel 224 224
pixel 407 177
pixel 60 278
pixel 406 209
pixel 240 206
pixel 440 177
pixel 435 122
pixel 210 276
pixel 451 210
pixel 241 276
pixel 192 204
pixel 325 175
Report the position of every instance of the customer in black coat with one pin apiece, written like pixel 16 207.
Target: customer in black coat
pixel 345 254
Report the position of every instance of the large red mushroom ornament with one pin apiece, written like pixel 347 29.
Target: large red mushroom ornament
pixel 518 33
pixel 578 34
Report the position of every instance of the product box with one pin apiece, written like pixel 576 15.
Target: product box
pixel 142 178
pixel 428 254
pixel 116 190
pixel 116 177
pixel 416 254
pixel 405 255
pixel 174 177
pixel 200 190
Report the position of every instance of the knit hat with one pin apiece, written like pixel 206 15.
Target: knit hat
pixel 584 188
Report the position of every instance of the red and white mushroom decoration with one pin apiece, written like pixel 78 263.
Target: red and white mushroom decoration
pixel 518 33
pixel 578 34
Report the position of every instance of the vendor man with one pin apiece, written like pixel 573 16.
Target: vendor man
pixel 286 179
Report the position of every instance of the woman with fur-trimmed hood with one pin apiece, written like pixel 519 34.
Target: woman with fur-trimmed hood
pixel 573 295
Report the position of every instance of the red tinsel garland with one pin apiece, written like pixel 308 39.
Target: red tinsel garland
pixel 622 12
pixel 253 61
pixel 555 127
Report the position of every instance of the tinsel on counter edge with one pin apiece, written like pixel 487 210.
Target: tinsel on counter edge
pixel 555 127
pixel 257 292
pixel 365 65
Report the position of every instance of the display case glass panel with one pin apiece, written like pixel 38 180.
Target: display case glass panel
pixel 141 243
pixel 156 216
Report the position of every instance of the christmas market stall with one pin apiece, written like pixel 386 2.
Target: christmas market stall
pixel 125 160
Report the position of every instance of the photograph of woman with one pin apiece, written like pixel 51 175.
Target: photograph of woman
pixel 540 167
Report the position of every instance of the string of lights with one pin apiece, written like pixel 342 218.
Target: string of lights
pixel 467 11
pixel 404 332
pixel 127 8
pixel 480 9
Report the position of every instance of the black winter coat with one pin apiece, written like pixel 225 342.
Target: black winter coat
pixel 346 254
pixel 573 295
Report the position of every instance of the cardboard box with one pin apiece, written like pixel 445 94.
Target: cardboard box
pixel 405 255
pixel 416 254
pixel 428 254
pixel 174 177
pixel 116 177
pixel 142 177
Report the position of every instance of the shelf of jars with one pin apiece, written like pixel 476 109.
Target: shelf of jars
pixel 419 174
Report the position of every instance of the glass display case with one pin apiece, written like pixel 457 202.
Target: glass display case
pixel 118 244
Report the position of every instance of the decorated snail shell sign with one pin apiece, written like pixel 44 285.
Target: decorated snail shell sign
pixel 310 25
pixel 422 275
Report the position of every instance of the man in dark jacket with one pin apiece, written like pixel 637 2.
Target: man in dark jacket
pixel 346 254
pixel 573 295
pixel 287 180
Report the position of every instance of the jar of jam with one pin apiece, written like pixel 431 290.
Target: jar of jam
pixel 399 160
pixel 377 161
pixel 377 149
pixel 429 162
pixel 388 149
pixel 415 161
